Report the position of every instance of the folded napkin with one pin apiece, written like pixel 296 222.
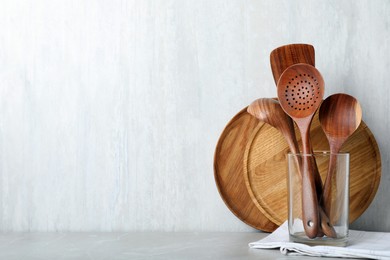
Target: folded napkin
pixel 361 244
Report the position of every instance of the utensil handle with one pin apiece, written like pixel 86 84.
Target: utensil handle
pixel 326 226
pixel 310 214
pixel 317 178
pixel 327 192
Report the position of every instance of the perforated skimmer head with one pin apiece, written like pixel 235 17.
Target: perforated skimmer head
pixel 300 90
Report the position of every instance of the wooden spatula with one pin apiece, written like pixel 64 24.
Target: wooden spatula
pixel 284 56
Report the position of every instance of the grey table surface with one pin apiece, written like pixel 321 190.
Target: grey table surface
pixel 144 245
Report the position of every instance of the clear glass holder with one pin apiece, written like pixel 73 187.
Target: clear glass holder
pixel 335 203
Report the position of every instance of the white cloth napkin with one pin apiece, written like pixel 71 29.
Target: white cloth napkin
pixel 361 244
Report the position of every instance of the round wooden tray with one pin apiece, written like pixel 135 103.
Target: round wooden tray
pixel 265 169
pixel 250 170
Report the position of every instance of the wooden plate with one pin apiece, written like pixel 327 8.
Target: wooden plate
pixel 265 169
pixel 229 171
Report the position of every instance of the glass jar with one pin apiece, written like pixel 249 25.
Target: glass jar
pixel 332 196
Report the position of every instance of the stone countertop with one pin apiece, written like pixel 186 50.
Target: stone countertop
pixel 143 245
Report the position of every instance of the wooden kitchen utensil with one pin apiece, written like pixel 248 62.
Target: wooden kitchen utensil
pixel 340 115
pixel 300 92
pixel 283 57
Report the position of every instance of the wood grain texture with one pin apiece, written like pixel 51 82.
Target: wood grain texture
pixel 228 171
pixel 269 111
pixel 265 169
pixel 284 56
pixel 340 115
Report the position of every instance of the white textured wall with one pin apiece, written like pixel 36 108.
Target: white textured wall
pixel 110 110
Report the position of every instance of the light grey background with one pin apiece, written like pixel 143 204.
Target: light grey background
pixel 110 110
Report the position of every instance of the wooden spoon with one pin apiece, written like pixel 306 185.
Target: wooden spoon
pixel 340 115
pixel 268 110
pixel 283 57
pixel 300 92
